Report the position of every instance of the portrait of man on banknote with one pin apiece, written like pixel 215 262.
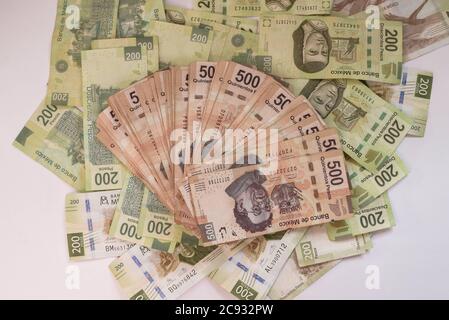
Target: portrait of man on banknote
pixel 312 45
pixel 324 95
pixel 252 209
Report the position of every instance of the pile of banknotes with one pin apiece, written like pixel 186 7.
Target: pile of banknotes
pixel 252 142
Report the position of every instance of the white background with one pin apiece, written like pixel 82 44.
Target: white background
pixel 412 258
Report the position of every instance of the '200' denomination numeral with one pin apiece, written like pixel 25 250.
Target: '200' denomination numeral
pixel 386 175
pixel 394 132
pixel 129 231
pixel 159 227
pixel 391 38
pixel 204 4
pixel 201 38
pixel 47 114
pixel 106 178
pixel 373 219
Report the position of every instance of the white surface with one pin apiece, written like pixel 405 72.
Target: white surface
pixel 412 259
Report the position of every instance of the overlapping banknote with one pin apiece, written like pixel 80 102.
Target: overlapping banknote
pixel 275 194
pixel 426 22
pixel 251 8
pixel 331 48
pixel 251 142
pixel 232 154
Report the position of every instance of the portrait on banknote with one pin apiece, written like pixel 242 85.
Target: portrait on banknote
pixel 252 209
pixel 324 95
pixel 312 46
pixel 251 142
pixel 279 5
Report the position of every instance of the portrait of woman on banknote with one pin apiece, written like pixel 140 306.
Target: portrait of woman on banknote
pixel 324 95
pixel 312 46
pixel 279 5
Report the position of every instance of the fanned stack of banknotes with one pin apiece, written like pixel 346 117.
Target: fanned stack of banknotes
pixel 249 141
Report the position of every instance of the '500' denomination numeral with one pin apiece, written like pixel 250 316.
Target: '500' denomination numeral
pixel 207 71
pixel 247 78
pixel 335 172
pixel 281 101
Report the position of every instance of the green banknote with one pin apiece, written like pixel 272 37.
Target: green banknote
pixel 105 72
pixel 316 247
pixel 221 32
pixel 412 96
pixel 368 186
pixel 426 22
pixel 248 8
pixel 78 22
pixel 236 45
pixel 194 41
pixel 145 274
pixel 127 215
pixel 53 137
pixel 244 8
pixel 113 43
pixel 88 217
pixel 331 47
pixel 134 16
pixel 195 17
pixel 212 6
pixel 150 43
pixel 295 86
pixel 250 273
pixel 155 220
pixel 241 47
pixel 294 279
pixel 298 7
pixel 377 216
pixel 370 128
